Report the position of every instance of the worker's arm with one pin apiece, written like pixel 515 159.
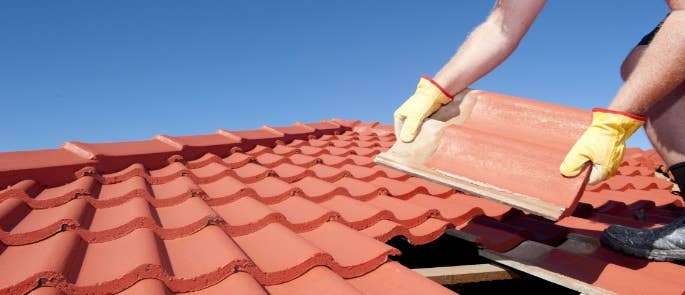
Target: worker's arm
pixel 484 49
pixel 490 44
pixel 659 71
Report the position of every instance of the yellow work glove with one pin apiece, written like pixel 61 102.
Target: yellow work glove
pixel 427 99
pixel 603 144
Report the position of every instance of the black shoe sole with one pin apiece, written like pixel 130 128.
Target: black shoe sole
pixel 658 255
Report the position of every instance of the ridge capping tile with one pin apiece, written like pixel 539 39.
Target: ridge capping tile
pixel 251 138
pixel 79 149
pixel 300 124
pixel 170 141
pixel 47 167
pixel 230 135
pixel 272 130
pixel 325 127
pixel 113 156
pixel 336 124
pixel 345 123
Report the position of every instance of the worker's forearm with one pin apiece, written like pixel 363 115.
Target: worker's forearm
pixel 489 44
pixel 659 71
pixel 483 50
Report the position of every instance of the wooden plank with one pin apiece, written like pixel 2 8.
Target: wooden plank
pixel 460 274
pixel 524 258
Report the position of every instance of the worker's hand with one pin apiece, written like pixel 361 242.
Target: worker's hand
pixel 427 99
pixel 603 144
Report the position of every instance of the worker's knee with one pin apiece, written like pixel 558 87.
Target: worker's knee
pixel 666 128
pixel 631 60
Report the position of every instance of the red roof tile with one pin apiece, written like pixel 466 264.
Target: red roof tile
pixel 511 145
pixel 276 210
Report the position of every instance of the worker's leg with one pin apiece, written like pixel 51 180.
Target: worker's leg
pixel 665 128
pixel 665 124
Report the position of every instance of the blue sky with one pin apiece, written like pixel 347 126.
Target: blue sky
pixel 98 71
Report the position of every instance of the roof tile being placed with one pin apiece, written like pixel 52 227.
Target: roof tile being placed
pixel 499 147
pixel 304 219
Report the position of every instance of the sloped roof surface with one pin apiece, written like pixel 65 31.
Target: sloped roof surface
pixel 284 209
pixel 278 210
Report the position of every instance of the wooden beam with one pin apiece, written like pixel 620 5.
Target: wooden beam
pixel 460 274
pixel 526 257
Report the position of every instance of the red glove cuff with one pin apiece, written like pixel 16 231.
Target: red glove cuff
pixel 629 115
pixel 451 96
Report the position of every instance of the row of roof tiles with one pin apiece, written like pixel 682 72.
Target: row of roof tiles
pixel 55 166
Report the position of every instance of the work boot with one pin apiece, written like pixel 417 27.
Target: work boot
pixel 666 243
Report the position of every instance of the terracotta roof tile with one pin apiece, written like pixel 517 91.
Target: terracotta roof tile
pixel 355 213
pixel 404 281
pixel 400 189
pixel 351 251
pixel 258 150
pixel 269 159
pixel 512 145
pixel 337 151
pixel 192 213
pixel 302 214
pixel 361 172
pixel 225 188
pixel 239 282
pixel 211 172
pixel 236 160
pixel 284 150
pixel 448 209
pixel 315 188
pixel 177 189
pixel 365 151
pixel 359 189
pixel 318 280
pixel 304 160
pixel 238 223
pixel 203 160
pixel 252 172
pixel 291 173
pixel 391 173
pixel 31 226
pixel 311 150
pixel 427 231
pixel 328 173
pixel 622 183
pixel 334 161
pixel 403 212
pixel 271 190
